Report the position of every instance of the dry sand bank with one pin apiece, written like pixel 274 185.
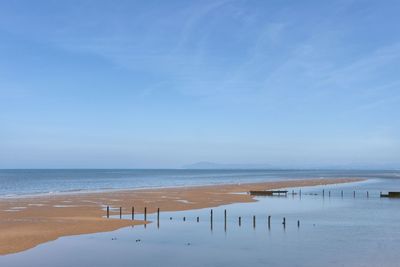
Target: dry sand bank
pixel 28 222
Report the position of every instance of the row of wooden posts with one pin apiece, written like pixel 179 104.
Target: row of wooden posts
pixel 285 193
pixel 329 193
pixel 225 212
pixel 133 213
pixel 158 210
pixel 198 218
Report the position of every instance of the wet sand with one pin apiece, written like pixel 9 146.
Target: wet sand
pixel 30 221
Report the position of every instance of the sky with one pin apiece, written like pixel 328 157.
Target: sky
pixel 162 84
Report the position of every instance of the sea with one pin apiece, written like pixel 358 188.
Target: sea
pixel 333 225
pixel 14 183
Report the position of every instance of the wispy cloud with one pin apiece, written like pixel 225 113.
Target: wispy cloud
pixel 263 74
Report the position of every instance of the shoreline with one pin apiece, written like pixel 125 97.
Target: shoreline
pixel 112 190
pixel 26 222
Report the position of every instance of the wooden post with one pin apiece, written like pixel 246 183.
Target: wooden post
pixel 254 221
pixel 342 193
pixel 367 194
pixel 145 213
pixel 198 219
pixel 329 193
pixel 354 194
pixel 108 212
pixel 158 217
pixel 133 213
pixel 298 223
pixel 300 192
pixel 211 219
pixel 120 212
pixel 269 221
pixel 323 192
pixel 284 222
pixel 225 218
pixel 184 218
pixel 240 221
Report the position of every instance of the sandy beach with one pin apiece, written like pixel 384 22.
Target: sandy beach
pixel 29 221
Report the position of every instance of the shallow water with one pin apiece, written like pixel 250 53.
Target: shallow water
pixel 27 182
pixel 334 231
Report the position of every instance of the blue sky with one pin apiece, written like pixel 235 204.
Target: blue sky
pixel 130 84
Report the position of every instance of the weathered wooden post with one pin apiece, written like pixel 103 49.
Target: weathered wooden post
pixel 133 213
pixel 225 217
pixel 254 221
pixel 240 221
pixel 225 220
pixel 211 219
pixel 298 223
pixel 269 221
pixel 145 213
pixel 108 212
pixel 158 217
pixel 323 193
pixel 120 212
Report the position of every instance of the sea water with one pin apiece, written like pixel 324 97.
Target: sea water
pixel 353 230
pixel 28 182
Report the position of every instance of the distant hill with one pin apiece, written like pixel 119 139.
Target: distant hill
pixel 213 165
pixel 349 166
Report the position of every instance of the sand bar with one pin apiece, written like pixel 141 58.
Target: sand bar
pixel 29 221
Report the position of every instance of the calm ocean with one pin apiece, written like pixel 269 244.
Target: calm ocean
pixel 30 182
